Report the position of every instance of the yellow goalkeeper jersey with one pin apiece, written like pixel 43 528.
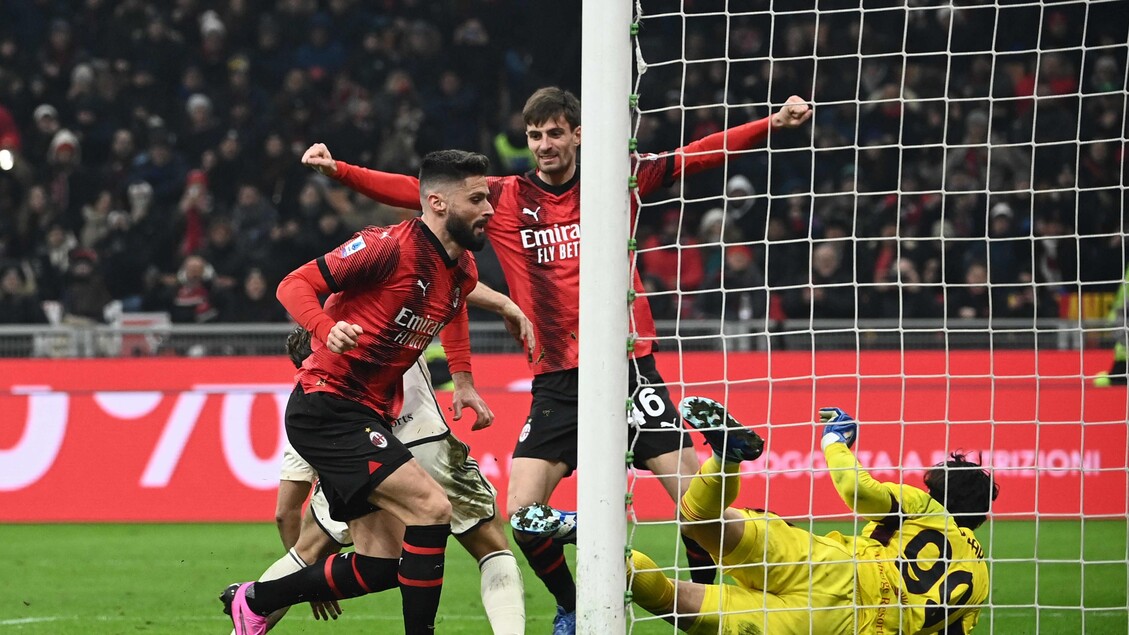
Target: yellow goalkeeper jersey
pixel 937 567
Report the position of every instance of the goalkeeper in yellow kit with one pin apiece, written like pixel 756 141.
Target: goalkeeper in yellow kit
pixel 916 568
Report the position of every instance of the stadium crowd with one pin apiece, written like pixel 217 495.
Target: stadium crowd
pixel 152 149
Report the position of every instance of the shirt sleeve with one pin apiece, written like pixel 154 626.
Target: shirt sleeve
pixel 398 190
pixel 456 342
pixel 370 256
pixel 861 492
pixel 456 335
pixel 298 292
pixel 711 151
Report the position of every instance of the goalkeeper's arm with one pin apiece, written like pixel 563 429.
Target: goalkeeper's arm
pixel 858 489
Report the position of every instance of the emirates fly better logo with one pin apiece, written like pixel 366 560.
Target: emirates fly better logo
pixel 558 242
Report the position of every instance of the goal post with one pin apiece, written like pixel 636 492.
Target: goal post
pixel 604 285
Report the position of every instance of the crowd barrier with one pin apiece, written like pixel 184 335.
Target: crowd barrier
pixel 173 439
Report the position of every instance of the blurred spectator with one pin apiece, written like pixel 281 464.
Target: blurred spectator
pixel 19 303
pixel 511 154
pixel 253 218
pixel 671 257
pixel 322 55
pixel 10 137
pixel 96 219
pixel 85 296
pixel 163 168
pixel 125 256
pixel 223 251
pixel 51 261
pixel 188 296
pixel 47 125
pixel 741 293
pixel 742 212
pixel 202 130
pixel 451 115
pixel 827 292
pixel 195 207
pixel 971 299
pixel 254 301
pixel 907 297
pixel 68 183
pixel 114 173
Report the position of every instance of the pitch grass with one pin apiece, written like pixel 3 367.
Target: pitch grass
pixel 114 579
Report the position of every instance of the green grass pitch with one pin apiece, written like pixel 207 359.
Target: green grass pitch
pixel 113 579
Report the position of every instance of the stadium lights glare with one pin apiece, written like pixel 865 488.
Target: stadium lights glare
pixel 7 161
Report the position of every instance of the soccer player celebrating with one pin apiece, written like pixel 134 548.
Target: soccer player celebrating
pixel 393 290
pixel 536 237
pixel 916 568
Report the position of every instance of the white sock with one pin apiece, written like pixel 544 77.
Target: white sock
pixel 503 595
pixel 284 566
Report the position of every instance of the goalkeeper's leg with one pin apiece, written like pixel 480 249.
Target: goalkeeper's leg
pixel 703 608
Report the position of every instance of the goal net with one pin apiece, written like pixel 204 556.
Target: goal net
pixel 940 251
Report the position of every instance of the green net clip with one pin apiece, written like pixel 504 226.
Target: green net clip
pixel 632 182
pixel 628 498
pixel 627 550
pixel 634 28
pixel 630 296
pixel 632 144
pixel 627 598
pixel 633 100
pixel 631 345
pixel 629 458
pixel 631 245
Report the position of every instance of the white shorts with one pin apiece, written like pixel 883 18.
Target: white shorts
pixel 422 427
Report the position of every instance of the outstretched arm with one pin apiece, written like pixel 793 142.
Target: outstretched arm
pixel 398 190
pixel 710 151
pixel 859 490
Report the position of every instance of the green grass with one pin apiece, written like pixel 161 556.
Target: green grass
pixel 114 579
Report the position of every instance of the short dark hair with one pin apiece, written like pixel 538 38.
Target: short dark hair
pixel 298 346
pixel 549 103
pixel 965 489
pixel 452 165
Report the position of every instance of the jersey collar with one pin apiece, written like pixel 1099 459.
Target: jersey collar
pixel 555 190
pixel 434 240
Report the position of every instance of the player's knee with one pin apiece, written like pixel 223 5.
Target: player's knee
pixel 434 508
pixel 485 539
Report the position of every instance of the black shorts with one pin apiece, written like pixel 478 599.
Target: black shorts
pixel 350 446
pixel 654 427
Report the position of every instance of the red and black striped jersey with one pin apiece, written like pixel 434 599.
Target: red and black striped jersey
pixel 535 232
pixel 400 286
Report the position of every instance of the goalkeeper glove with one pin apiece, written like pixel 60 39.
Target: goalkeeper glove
pixel 840 427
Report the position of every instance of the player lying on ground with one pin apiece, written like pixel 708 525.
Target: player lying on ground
pixel 919 546
pixel 535 234
pixel 393 289
pixel 474 519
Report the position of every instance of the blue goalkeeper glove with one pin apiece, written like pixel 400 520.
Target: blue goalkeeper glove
pixel 840 427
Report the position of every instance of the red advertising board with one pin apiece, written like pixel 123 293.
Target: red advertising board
pixel 171 439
